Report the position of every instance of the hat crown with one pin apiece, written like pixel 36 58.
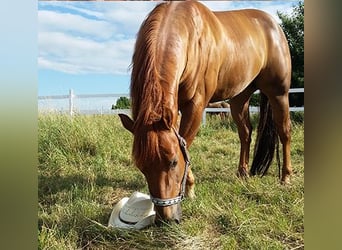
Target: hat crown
pixel 135 212
pixel 137 208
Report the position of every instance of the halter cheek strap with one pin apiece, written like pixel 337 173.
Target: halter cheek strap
pixel 172 201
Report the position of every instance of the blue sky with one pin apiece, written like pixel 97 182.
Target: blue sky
pixel 87 46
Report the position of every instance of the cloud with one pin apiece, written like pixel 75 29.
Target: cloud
pixel 95 37
pixel 66 22
pixel 76 41
pixel 69 54
pixel 85 11
pixel 129 15
pixel 270 7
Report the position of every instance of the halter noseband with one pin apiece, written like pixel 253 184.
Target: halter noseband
pixel 172 201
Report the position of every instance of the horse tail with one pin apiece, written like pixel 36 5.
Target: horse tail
pixel 267 139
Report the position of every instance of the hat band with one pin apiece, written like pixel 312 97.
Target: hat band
pixel 172 201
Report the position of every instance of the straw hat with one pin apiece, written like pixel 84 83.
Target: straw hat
pixel 135 212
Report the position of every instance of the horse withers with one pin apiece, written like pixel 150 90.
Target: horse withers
pixel 186 56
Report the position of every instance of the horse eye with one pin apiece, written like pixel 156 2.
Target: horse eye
pixel 173 163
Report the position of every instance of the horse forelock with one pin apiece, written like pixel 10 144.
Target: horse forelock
pixel 145 147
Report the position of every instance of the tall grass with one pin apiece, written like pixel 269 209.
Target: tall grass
pixel 85 168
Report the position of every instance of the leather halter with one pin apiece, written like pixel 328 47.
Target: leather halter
pixel 172 201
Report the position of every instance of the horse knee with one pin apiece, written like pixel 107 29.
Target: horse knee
pixel 190 185
pixel 190 192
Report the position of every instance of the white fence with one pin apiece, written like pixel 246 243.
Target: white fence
pixel 71 103
pixel 106 108
pixel 251 108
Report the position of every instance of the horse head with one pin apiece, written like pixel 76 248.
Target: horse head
pixel 160 154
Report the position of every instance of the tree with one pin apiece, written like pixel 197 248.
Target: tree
pixel 122 103
pixel 293 26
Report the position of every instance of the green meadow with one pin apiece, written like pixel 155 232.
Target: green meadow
pixel 85 168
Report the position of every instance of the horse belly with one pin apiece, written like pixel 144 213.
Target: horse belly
pixel 229 88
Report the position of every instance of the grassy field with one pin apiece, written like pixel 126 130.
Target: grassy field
pixel 85 168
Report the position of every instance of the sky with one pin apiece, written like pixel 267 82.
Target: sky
pixel 87 46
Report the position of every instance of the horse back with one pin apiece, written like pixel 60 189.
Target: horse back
pixel 237 46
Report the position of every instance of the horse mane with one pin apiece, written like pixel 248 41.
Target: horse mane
pixel 146 88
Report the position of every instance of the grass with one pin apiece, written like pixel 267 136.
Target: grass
pixel 85 168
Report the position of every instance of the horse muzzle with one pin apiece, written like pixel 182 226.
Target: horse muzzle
pixel 168 214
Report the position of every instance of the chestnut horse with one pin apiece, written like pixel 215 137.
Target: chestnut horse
pixel 187 56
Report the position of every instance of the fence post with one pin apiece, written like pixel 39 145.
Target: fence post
pixel 204 117
pixel 71 102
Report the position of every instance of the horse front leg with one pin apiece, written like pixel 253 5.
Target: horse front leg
pixel 189 126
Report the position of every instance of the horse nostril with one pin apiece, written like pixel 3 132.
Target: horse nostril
pixel 168 215
pixel 160 222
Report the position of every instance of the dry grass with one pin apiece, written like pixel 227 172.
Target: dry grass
pixel 85 168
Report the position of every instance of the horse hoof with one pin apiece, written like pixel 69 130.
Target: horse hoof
pixel 242 173
pixel 285 180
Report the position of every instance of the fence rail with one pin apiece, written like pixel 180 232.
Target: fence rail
pixel 72 96
pixel 72 107
pixel 252 109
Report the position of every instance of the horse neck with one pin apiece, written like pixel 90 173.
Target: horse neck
pixel 153 88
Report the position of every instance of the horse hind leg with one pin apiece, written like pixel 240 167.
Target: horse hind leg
pixel 281 118
pixel 239 106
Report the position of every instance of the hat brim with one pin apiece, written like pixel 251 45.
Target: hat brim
pixel 114 220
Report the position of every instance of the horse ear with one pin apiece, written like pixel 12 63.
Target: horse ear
pixel 154 117
pixel 167 117
pixel 126 122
